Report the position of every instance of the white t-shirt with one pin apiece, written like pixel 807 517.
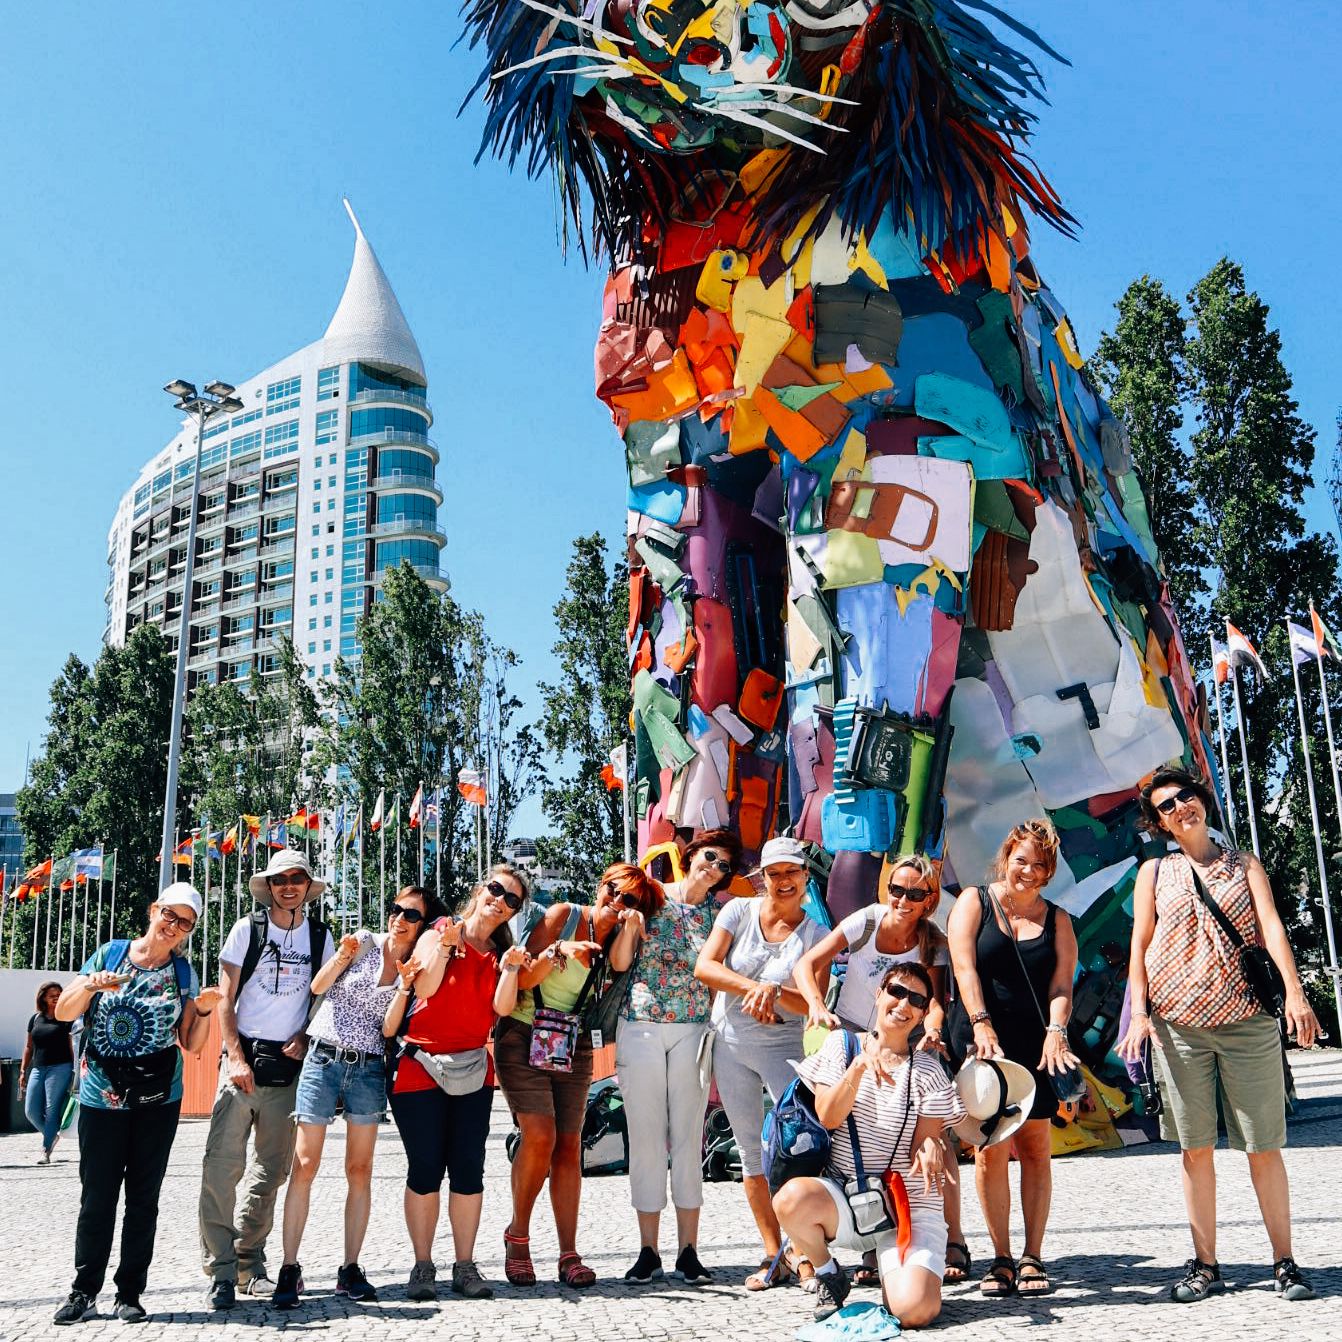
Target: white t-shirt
pixel 765 961
pixel 868 966
pixel 273 1003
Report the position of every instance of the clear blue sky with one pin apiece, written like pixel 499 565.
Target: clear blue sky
pixel 171 207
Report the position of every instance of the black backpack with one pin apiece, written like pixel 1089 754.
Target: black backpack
pixel 259 929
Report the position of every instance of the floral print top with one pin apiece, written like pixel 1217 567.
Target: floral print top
pixel 352 1011
pixel 664 988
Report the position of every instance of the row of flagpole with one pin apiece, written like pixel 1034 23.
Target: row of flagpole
pixel 83 869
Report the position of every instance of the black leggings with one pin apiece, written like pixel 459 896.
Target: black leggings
pixel 444 1135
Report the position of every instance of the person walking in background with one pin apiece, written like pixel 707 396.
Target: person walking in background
pixel 759 1018
pixel 1014 957
pixel 346 1067
pixel 46 1069
pixel 1213 1042
pixel 141 1005
pixel 663 1057
pixel 267 965
pixel 545 1072
pixel 462 977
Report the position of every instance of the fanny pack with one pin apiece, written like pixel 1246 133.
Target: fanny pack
pixel 453 1073
pixel 271 1067
pixel 140 1081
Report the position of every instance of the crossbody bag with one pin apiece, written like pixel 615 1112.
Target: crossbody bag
pixel 880 1202
pixel 554 1033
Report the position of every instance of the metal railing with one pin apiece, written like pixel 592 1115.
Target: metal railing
pixel 372 396
pixel 407 526
pixel 382 436
pixel 406 480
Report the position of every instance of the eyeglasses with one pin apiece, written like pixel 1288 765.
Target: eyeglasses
pixel 724 865
pixel 289 878
pixel 1180 798
pixel 500 891
pixel 176 923
pixel 411 916
pixel 626 897
pixel 915 894
pixel 899 992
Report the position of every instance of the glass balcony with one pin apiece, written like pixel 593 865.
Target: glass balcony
pixel 407 526
pixel 390 396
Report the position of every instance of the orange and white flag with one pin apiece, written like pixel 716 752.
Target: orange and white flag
pixel 471 785
pixel 1242 652
pixel 417 807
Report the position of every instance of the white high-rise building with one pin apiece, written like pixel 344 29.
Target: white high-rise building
pixel 321 482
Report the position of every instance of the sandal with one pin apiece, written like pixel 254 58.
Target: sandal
pixel 774 1271
pixel 518 1267
pixel 958 1263
pixel 1032 1276
pixel 574 1272
pixel 867 1274
pixel 1000 1279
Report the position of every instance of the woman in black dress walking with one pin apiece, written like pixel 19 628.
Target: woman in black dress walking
pixel 1000 990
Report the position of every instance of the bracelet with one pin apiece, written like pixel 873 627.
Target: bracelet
pixel 1057 1029
pixel 1145 1014
pixel 402 990
pixel 980 1018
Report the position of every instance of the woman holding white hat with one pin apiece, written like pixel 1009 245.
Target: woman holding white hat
pixel 142 1005
pixel 759 1018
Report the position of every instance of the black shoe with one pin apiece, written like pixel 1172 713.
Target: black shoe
pixel 223 1295
pixel 1290 1284
pixel 289 1287
pixel 76 1309
pixel 129 1311
pixel 1198 1282
pixel 831 1290
pixel 647 1266
pixel 350 1281
pixel 689 1269
pixel 467 1281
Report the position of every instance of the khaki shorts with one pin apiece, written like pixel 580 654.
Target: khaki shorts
pixel 529 1090
pixel 1240 1064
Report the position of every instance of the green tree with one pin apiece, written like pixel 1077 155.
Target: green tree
pixel 586 715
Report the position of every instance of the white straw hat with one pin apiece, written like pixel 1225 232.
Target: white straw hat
pixel 998 1094
pixel 289 859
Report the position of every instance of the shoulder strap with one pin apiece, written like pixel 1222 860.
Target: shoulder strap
pixel 117 951
pixel 868 930
pixel 258 924
pixel 850 1052
pixel 181 970
pixel 1224 923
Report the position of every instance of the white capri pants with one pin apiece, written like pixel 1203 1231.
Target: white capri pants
pixel 744 1069
pixel 663 1073
pixel 927 1238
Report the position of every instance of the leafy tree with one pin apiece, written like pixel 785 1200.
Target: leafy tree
pixel 586 715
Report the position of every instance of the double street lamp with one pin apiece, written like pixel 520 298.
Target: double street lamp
pixel 216 399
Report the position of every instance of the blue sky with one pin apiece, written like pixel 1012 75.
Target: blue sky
pixel 171 207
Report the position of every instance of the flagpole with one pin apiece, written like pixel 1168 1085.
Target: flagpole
pixel 37 918
pixel 421 832
pixel 1337 797
pixel 111 915
pixel 4 913
pixel 60 921
pixel 397 832
pixel 1244 754
pixel 102 860
pixel 359 851
pixel 1225 757
pixel 438 845
pixel 51 890
pixel 382 863
pixel 1318 840
pixel 205 913
pixel 84 926
pixel 344 879
pixel 624 805
pixel 237 876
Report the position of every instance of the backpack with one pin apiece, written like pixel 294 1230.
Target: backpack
pixel 796 1143
pixel 258 929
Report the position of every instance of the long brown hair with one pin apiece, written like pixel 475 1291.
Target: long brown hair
pixel 931 939
pixel 501 937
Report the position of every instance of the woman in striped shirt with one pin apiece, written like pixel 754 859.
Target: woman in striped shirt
pixel 899 1101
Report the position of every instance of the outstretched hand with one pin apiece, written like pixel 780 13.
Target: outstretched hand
pixel 409 971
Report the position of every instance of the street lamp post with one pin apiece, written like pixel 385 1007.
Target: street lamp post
pixel 216 399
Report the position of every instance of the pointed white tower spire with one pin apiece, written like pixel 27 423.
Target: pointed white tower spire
pixel 369 323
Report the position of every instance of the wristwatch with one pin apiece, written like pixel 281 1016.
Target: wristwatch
pixel 980 1018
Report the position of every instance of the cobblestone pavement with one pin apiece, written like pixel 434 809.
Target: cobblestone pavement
pixel 1116 1238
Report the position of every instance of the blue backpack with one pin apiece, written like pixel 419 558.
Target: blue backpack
pixel 796 1142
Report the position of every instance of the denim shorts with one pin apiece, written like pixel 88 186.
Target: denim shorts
pixel 326 1081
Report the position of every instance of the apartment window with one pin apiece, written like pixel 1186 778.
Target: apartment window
pixel 330 573
pixel 328 384
pixel 281 438
pixel 281 480
pixel 312 625
pixel 162 481
pixel 328 598
pixel 314 551
pixel 312 599
pixel 312 577
pixel 248 418
pixel 330 482
pixel 330 551
pixel 326 668
pixel 317 530
pixel 216 430
pixel 331 460
pixel 283 395
pixel 312 673
pixel 249 442
pixel 279 526
pixel 330 505
pixel 213 456
pixel 312 647
pixel 328 426
pixel 316 508
pixel 316 484
pixel 142 493
pixel 326 645
pixel 326 622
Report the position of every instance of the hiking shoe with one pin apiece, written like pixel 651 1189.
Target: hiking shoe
pixel 1290 1284
pixel 289 1287
pixel 467 1281
pixel 129 1311
pixel 647 1266
pixel 831 1290
pixel 76 1309
pixel 689 1269
pixel 258 1284
pixel 423 1281
pixel 1198 1282
pixel 350 1281
pixel 223 1295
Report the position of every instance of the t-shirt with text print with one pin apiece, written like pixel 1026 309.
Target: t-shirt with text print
pixel 273 1003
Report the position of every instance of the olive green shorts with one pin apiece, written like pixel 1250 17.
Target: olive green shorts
pixel 1240 1064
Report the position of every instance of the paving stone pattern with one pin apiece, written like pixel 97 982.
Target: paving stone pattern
pixel 1116 1239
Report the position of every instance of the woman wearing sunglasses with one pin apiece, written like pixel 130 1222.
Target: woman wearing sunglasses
pixel 1211 1039
pixel 463 977
pixel 1014 957
pixel 567 947
pixel 876 938
pixel 899 1100
pixel 663 1056
pixel 346 1065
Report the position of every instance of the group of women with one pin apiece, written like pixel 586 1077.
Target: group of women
pixel 701 987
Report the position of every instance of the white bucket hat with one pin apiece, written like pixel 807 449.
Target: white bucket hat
pixel 998 1094
pixel 289 859
pixel 180 895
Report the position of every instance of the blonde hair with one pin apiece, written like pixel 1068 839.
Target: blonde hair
pixel 501 937
pixel 931 939
pixel 1041 833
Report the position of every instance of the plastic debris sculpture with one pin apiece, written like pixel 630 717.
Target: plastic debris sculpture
pixel 893 582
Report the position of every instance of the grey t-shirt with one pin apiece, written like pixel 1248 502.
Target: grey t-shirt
pixel 766 961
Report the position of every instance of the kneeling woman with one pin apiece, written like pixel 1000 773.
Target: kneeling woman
pixel 899 1101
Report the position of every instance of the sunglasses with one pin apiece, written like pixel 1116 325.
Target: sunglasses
pixel 899 992
pixel 501 891
pixel 288 878
pixel 176 923
pixel 717 860
pixel 626 897
pixel 1180 798
pixel 915 894
pixel 411 916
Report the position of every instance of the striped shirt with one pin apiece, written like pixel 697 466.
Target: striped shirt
pixel 885 1116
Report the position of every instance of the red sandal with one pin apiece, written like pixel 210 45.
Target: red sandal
pixel 518 1268
pixel 574 1272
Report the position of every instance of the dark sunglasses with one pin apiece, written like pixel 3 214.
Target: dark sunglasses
pixel 626 897
pixel 899 992
pixel 411 916
pixel 914 895
pixel 501 891
pixel 1180 798
pixel 713 859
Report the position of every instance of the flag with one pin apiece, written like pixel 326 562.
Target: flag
pixel 230 842
pixel 1327 644
pixel 305 819
pixel 417 807
pixel 34 881
pixel 278 836
pixel 89 864
pixel 429 812
pixel 471 785
pixel 1242 652
pixel 182 856
pixel 375 823
pixel 358 830
pixel 213 846
pixel 1220 661
pixel 1304 648
pixel 613 775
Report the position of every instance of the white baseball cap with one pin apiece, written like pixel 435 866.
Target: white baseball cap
pixel 781 851
pixel 180 895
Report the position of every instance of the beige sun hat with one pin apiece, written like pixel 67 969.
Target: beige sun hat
pixel 998 1094
pixel 288 859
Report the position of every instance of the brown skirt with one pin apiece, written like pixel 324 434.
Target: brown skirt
pixel 529 1090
